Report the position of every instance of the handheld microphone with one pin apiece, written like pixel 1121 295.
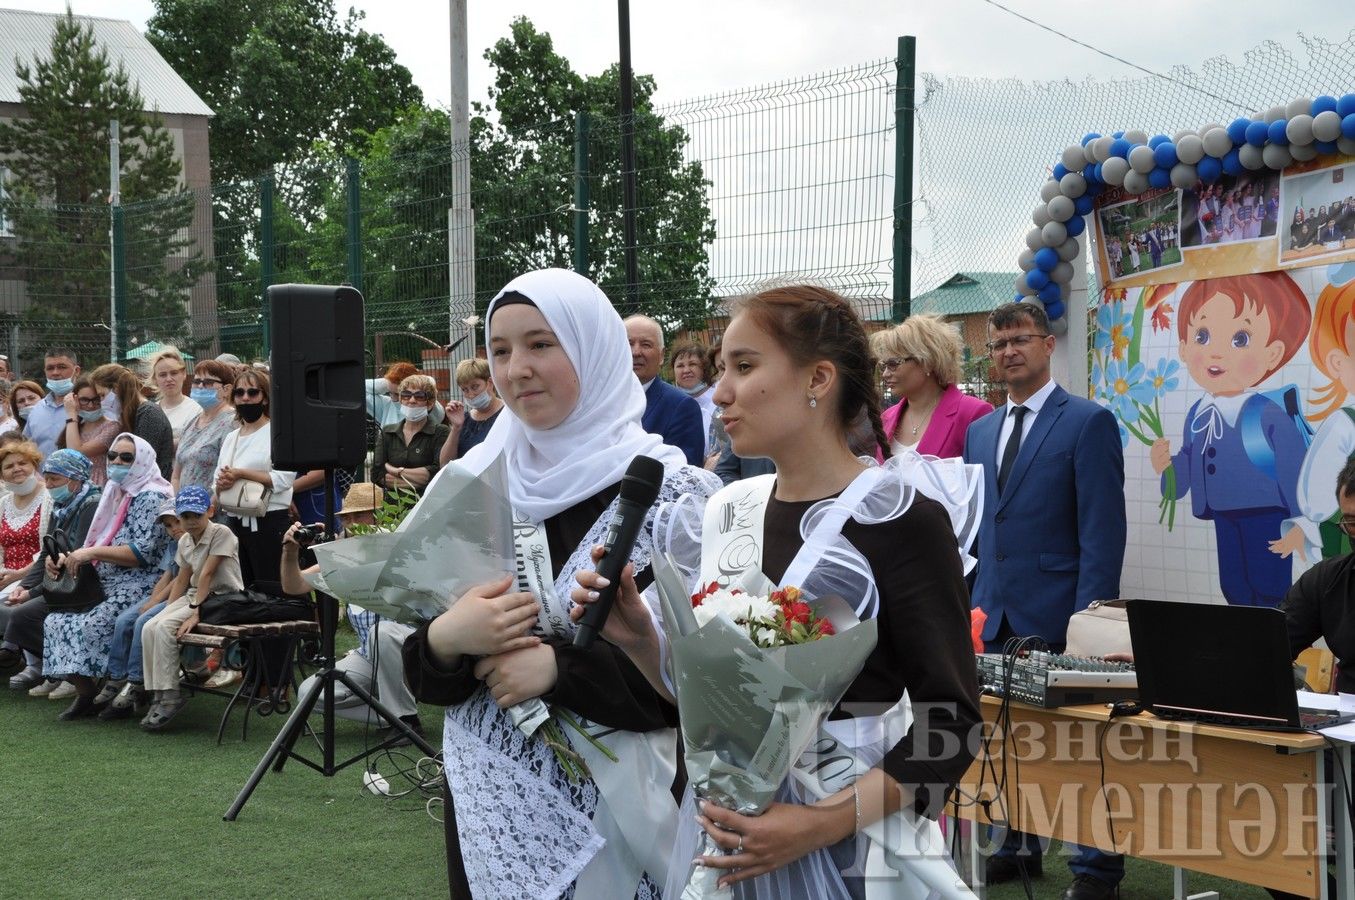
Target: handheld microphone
pixel 639 490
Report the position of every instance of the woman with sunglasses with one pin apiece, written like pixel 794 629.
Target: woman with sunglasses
pixel 406 456
pixel 247 454
pixel 122 401
pixel 200 444
pixel 87 429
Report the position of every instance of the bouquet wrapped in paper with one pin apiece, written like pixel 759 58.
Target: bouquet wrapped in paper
pixel 755 671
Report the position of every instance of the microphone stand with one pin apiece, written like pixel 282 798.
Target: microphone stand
pixel 323 687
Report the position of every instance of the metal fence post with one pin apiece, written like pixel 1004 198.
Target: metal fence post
pixel 581 193
pixel 354 195
pixel 266 186
pixel 119 284
pixel 904 102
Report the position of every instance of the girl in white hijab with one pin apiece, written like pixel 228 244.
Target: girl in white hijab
pixel 521 827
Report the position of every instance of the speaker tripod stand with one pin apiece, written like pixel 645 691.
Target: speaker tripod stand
pixel 321 690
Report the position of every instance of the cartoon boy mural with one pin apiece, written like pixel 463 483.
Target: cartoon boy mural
pixel 1332 347
pixel 1241 450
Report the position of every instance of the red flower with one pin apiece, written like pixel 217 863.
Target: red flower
pixel 704 593
pixel 826 628
pixel 798 612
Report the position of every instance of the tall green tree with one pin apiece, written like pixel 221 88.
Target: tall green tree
pixel 57 193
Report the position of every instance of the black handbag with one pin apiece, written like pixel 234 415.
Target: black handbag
pixel 252 608
pixel 70 592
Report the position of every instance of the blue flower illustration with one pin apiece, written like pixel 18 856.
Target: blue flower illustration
pixel 1114 329
pixel 1124 435
pixel 1127 388
pixel 1163 376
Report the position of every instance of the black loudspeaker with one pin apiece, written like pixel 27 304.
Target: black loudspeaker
pixel 317 408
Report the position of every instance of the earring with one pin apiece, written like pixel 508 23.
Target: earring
pixel 813 401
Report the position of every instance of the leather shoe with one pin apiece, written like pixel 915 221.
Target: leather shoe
pixel 11 663
pixel 81 707
pixel 1008 868
pixel 1089 887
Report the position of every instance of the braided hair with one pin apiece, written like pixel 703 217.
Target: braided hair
pixel 814 323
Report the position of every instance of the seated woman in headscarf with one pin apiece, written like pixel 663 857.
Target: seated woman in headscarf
pixel 126 543
pixel 561 362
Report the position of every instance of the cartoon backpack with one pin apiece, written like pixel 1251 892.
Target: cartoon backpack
pixel 1259 451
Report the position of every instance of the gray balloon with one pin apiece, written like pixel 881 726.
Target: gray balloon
pixel 1065 290
pixel 1040 215
pixel 1136 136
pixel 1113 170
pixel 1022 288
pixel 1327 125
pixel 1346 145
pixel 1299 130
pixel 1054 233
pixel 1026 259
pixel 1101 148
pixel 1190 149
pixel 1217 143
pixel 1302 152
pixel 1275 114
pixel 1073 158
pixel 1299 106
pixel 1068 250
pixel 1063 273
pixel 1089 153
pixel 1061 209
pixel 1135 182
pixel 1183 176
pixel 1034 240
pixel 1176 138
pixel 1073 185
pixel 1059 326
pixel 1049 190
pixel 1250 157
pixel 1205 129
pixel 1141 159
pixel 1275 156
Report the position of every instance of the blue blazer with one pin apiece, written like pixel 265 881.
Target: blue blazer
pixel 676 418
pixel 1054 541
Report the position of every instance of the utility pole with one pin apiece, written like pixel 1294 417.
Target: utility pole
pixel 116 247
pixel 460 217
pixel 632 303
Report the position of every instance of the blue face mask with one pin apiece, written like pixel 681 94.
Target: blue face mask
pixel 205 397
pixel 60 494
pixel 91 415
pixel 118 473
pixel 60 386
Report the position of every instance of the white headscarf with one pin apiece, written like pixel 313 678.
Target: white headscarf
pixel 550 470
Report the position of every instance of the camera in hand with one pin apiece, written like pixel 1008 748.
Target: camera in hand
pixel 309 534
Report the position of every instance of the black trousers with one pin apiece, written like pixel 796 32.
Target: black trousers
pixel 261 550
pixel 25 625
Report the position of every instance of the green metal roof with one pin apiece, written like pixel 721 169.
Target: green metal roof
pixel 968 292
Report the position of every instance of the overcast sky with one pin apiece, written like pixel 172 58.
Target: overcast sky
pixel 706 46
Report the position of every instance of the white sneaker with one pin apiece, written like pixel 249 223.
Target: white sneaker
pixel 43 690
pixel 64 691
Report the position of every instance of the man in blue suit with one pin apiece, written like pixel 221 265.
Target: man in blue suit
pixel 669 413
pixel 1053 532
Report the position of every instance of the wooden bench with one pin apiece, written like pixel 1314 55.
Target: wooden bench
pixel 253 688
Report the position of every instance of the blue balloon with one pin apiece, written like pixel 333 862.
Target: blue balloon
pixel 1018 298
pixel 1160 177
pixel 1089 173
pixel 1323 103
pixel 1346 105
pixel 1165 155
pixel 1076 225
pixel 1036 279
pixel 1120 147
pixel 1157 139
pixel 1060 170
pixel 1232 165
pixel 1096 173
pixel 1348 126
pixel 1083 205
pixel 1117 135
pixel 1237 130
pixel 1256 134
pixel 1054 308
pixel 1046 258
pixel 1209 169
pixel 1089 137
pixel 1325 146
pixel 1276 133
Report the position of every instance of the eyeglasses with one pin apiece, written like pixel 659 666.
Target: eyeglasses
pixel 115 456
pixel 1019 341
pixel 247 392
pixel 1347 524
pixel 889 365
pixel 91 402
pixel 206 382
pixel 418 396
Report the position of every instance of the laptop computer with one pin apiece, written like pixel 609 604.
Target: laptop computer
pixel 1218 664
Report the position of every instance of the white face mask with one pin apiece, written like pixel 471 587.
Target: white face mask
pixel 414 413
pixel 480 402
pixel 26 487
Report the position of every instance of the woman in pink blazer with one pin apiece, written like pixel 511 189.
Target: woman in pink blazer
pixel 922 360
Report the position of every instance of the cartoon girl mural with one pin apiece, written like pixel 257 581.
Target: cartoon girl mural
pixel 1332 347
pixel 1241 449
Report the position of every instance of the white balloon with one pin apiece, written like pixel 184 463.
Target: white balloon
pixel 1026 259
pixel 1068 250
pixel 1135 182
pixel 1054 233
pixel 1059 326
pixel 1073 160
pixel 1113 170
pixel 1073 185
pixel 1190 149
pixel 1040 215
pixel 1205 129
pixel 1034 240
pixel 1302 152
pixel 1141 159
pixel 1089 153
pixel 1250 157
pixel 1022 288
pixel 1176 138
pixel 1183 176
pixel 1346 145
pixel 1101 148
pixel 1275 114
pixel 1065 290
pixel 1327 126
pixel 1136 136
pixel 1049 190
pixel 1275 156
pixel 1299 106
pixel 1061 209
pixel 1063 273
pixel 1299 130
pixel 1217 143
